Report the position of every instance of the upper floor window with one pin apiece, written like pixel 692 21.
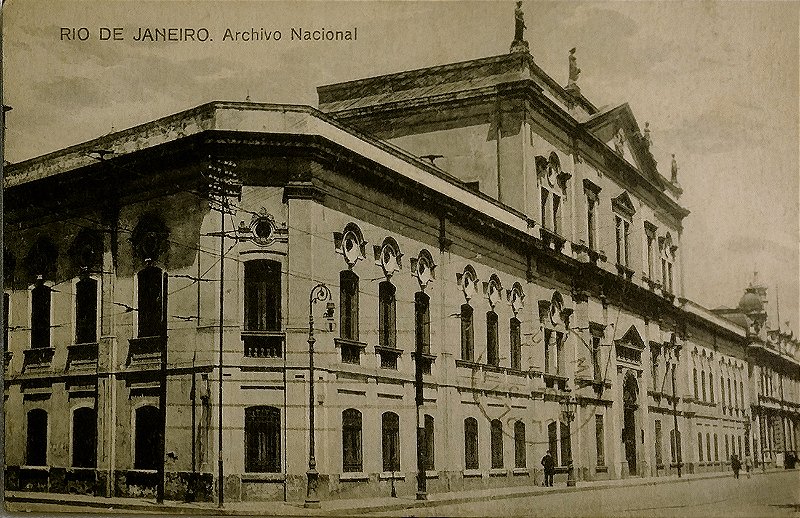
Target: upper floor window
pixel 387 315
pixel 667 252
pixel 516 344
pixel 650 235
pixel 262 295
pixel 556 213
pixel 150 301
pixel 40 315
pixel 592 192
pixel 492 347
pixel 262 438
pixel 623 214
pixel 545 199
pixel 86 311
pixel 596 369
pixel 467 333
pixel 703 383
pixel 422 322
pixel 348 297
pixel 711 386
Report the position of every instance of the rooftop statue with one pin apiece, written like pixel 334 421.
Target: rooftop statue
pixel 519 23
pixel 573 67
pixel 674 169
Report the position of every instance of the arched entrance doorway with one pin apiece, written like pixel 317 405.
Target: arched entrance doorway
pixel 630 397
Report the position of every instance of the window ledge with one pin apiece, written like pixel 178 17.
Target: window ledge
pixel 498 472
pixel 263 477
pixel 521 472
pixel 35 468
pixel 382 349
pixel 472 473
pixel 601 469
pixel 389 475
pixel 431 474
pixel 353 476
pixel 339 342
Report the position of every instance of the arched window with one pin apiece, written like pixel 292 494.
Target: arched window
pixel 351 441
pixel 467 333
pixel 262 438
pixel 516 344
pixel 84 437
pixel 86 311
pixel 470 443
pixel 497 443
pixel 147 427
pixel 387 315
pixel 149 303
pixel 520 460
pixel 428 461
pixel 390 432
pixel 348 300
pixel 703 383
pixel 36 452
pixel 40 316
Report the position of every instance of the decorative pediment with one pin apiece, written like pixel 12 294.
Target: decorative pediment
pixel 422 267
pixel 493 290
pixel 516 297
pixel 350 244
pixel 388 256
pixel 468 280
pixel 632 338
pixel 623 204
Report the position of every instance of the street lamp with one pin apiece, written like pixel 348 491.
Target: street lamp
pixel 675 350
pixel 319 293
pixel 569 408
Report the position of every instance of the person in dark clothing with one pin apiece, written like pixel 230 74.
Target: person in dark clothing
pixel 736 465
pixel 549 468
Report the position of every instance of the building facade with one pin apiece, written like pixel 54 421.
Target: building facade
pixel 522 294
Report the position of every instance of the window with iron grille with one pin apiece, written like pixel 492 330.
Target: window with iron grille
pixel 351 441
pixel 566 447
pixel 390 433
pixel 262 437
pixel 599 435
pixel 659 456
pixel 552 441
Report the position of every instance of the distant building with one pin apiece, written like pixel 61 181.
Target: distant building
pixel 532 275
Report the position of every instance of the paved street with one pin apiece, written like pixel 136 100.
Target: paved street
pixel 775 494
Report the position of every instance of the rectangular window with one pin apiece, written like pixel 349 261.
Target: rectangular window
pixel 735 395
pixel 390 432
pixel 560 357
pixel 351 441
pixel 520 444
pixel 664 275
pixel 711 385
pixel 599 435
pixel 716 449
pixel 422 322
pixel 590 222
pixel 428 459
pixel 556 213
pixel 547 335
pixel 262 295
pixel 496 433
pixel 703 383
pixel 545 195
pixel 619 233
pixel 467 333
pixel 516 344
pixel 669 277
pixel 84 438
pixel 149 302
pixel 650 254
pixel 387 315
pixel 40 316
pixel 694 381
pixel 596 368
pixel 674 444
pixel 708 446
pixel 470 443
pixel 6 325
pixel 659 458
pixel 36 452
pixel 348 300
pixel 552 441
pixel 727 448
pixel 262 437
pixel 86 311
pixel 492 356
pixel 147 426
pixel 732 402
pixel 626 232
pixel 700 446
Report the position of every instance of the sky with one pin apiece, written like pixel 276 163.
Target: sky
pixel 718 82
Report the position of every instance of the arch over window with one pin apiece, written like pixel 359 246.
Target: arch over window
pixel 84 437
pixel 520 460
pixel 150 237
pixel 468 281
pixel 86 250
pixel 497 443
pixel 470 443
pixel 36 444
pixel 387 256
pixel 352 459
pixel 350 244
pixel 41 258
pixel 493 290
pixel 516 298
pixel 390 433
pixel 262 438
pixel 423 267
pixel 147 425
pixel 149 301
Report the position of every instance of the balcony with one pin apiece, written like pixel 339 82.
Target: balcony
pixel 82 355
pixel 38 358
pixel 263 344
pixel 146 349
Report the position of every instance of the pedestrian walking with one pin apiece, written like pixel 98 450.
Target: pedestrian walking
pixel 549 468
pixel 736 465
pixel 748 464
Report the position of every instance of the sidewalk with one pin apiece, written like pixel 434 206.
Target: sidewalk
pixel 332 507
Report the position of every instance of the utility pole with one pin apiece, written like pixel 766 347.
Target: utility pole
pixel 675 353
pixel 162 394
pixel 422 489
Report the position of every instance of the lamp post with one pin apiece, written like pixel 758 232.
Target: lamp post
pixel 569 407
pixel 319 293
pixel 675 350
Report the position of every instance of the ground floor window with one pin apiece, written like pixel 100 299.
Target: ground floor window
pixel 351 441
pixel 36 452
pixel 390 431
pixel 471 443
pixel 599 437
pixel 700 446
pixel 552 441
pixel 262 437
pixel 566 447
pixel 84 437
pixel 428 461
pixel 497 444
pixel 520 460
pixel 659 458
pixel 147 425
